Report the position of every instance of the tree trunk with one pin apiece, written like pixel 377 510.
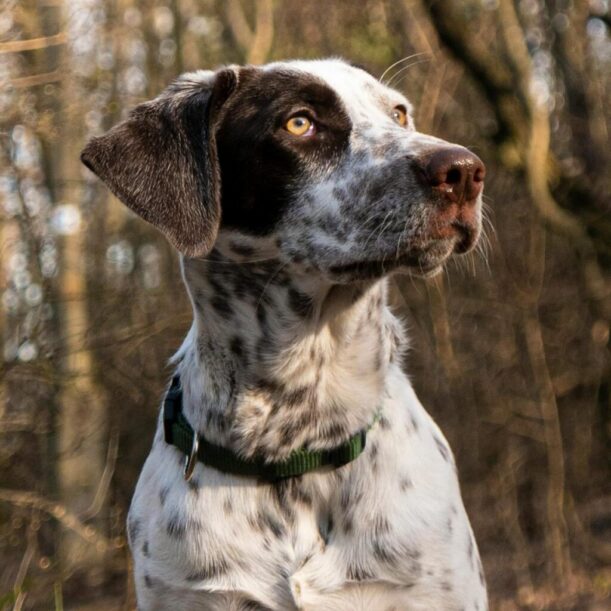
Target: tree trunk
pixel 81 421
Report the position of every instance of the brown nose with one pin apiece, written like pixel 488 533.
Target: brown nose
pixel 456 173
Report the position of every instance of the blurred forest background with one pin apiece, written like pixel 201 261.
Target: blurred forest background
pixel 510 352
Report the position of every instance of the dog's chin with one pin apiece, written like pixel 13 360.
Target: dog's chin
pixel 423 262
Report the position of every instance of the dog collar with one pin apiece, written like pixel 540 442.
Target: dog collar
pixel 179 433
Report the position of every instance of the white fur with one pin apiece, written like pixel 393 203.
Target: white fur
pixel 400 538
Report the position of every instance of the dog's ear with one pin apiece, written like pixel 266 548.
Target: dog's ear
pixel 162 161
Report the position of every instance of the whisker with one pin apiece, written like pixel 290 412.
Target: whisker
pixel 267 284
pixel 378 231
pixel 404 59
pixel 412 280
pixel 401 235
pixel 232 262
pixel 392 81
pixel 484 248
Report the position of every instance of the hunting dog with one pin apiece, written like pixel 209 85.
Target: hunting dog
pixel 292 190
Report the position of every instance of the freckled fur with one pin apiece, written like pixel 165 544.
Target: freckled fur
pixel 293 345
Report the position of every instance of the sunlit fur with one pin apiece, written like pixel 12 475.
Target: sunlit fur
pixel 290 349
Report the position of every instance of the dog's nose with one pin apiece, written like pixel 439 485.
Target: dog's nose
pixel 456 173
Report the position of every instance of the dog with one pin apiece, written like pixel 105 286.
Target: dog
pixel 292 191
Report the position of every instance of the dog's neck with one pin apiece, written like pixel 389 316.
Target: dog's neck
pixel 274 362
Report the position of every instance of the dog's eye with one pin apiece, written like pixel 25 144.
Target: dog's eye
pixel 399 115
pixel 299 126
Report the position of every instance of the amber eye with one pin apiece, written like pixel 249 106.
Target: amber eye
pixel 299 126
pixel 399 115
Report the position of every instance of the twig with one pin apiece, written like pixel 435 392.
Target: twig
pixel 493 78
pixel 557 535
pixel 15 46
pixel 264 33
pixel 37 79
pixel 109 469
pixel 238 24
pixel 63 515
pixel 255 45
pixel 23 569
pixel 508 507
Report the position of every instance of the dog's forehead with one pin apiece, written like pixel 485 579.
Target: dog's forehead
pixel 361 94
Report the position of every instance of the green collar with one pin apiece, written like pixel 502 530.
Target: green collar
pixel 179 433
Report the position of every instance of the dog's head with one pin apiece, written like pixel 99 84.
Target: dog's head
pixel 315 164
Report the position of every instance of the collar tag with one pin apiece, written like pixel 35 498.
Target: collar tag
pixel 191 458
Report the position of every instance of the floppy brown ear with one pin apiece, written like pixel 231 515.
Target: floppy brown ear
pixel 162 161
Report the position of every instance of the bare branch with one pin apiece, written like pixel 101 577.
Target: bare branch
pixel 37 79
pixel 23 569
pixel 255 45
pixel 238 24
pixel 537 159
pixel 264 33
pixel 493 78
pixel 15 46
pixel 56 510
pixel 104 485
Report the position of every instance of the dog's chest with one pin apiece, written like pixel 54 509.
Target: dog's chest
pixel 394 516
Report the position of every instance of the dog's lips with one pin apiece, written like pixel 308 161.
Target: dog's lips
pixel 468 235
pixel 464 235
pixel 461 224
